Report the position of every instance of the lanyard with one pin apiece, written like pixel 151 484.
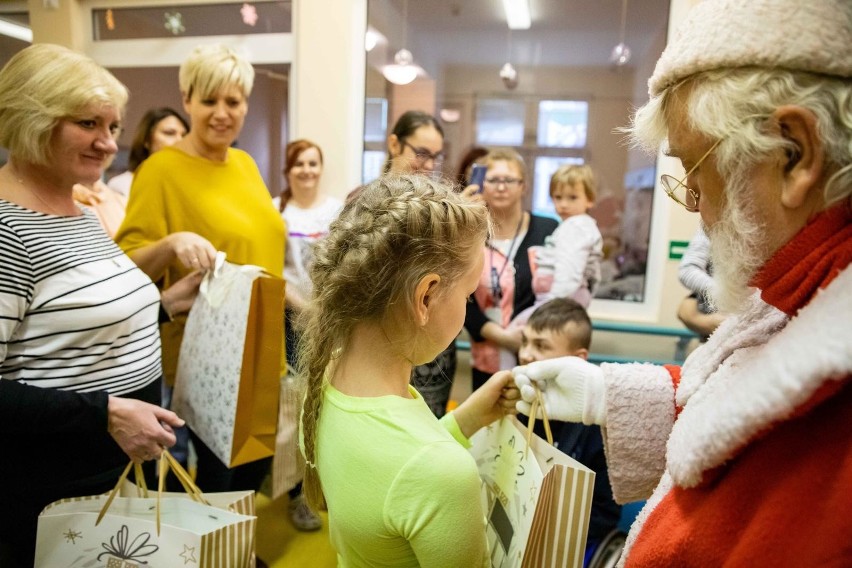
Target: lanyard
pixel 496 289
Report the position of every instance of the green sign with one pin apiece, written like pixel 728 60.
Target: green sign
pixel 676 249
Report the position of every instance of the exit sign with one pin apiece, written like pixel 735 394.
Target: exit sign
pixel 676 249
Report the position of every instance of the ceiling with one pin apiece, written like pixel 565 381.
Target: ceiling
pixel 563 32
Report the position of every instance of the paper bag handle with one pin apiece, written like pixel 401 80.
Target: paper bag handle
pixel 166 462
pixel 537 404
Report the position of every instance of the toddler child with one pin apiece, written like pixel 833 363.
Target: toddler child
pixel 390 286
pixel 569 263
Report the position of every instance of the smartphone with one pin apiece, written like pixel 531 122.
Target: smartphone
pixel 477 176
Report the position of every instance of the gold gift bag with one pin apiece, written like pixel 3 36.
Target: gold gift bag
pixel 227 385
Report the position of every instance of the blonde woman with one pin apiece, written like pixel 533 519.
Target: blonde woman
pixel 200 196
pixel 79 348
pixel 505 285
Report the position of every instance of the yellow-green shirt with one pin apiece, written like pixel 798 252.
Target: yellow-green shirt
pixel 401 488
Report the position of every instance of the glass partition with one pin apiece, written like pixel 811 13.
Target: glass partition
pixel 562 106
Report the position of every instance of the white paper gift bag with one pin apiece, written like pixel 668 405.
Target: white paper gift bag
pixel 128 529
pixel 190 534
pixel 230 362
pixel 538 500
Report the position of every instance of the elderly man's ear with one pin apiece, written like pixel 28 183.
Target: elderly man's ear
pixel 804 167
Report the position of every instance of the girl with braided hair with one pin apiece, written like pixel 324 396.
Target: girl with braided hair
pixel 390 285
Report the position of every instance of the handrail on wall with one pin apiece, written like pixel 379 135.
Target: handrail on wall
pixel 684 337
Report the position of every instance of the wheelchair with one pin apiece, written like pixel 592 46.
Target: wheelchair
pixel 606 552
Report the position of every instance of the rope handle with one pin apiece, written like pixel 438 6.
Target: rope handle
pixel 537 404
pixel 165 463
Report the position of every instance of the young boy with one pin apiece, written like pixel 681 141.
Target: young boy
pixel 558 328
pixel 569 263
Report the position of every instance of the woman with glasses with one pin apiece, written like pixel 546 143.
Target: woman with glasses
pixel 505 287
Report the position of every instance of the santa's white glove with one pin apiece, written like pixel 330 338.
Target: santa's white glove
pixel 572 389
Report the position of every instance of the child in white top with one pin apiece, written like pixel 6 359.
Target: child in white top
pixel 569 263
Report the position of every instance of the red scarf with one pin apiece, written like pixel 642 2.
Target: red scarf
pixel 809 262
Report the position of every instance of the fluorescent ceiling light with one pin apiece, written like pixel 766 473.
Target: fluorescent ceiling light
pixel 517 14
pixel 16 31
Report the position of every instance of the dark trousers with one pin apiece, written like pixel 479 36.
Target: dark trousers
pixel 214 476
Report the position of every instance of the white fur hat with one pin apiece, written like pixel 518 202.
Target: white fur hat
pixel 801 35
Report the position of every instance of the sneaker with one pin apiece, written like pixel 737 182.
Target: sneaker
pixel 302 516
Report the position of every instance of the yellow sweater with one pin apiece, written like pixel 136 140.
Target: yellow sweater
pixel 227 203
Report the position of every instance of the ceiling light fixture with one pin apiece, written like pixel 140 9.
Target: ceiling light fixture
pixel 621 53
pixel 508 73
pixel 371 39
pixel 16 31
pixel 402 72
pixel 517 14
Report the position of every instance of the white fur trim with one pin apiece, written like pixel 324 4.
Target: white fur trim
pixel 760 385
pixel 813 35
pixel 640 414
pixel 753 326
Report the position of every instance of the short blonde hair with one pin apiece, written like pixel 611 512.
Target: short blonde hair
pixel 573 174
pixel 43 84
pixel 506 155
pixel 396 231
pixel 211 67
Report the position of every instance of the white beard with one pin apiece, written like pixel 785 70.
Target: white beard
pixel 737 250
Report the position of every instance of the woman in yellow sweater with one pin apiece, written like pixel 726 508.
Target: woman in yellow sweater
pixel 198 197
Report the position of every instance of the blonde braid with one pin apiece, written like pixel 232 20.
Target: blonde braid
pixel 398 229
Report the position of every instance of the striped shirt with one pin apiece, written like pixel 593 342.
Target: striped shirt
pixel 75 312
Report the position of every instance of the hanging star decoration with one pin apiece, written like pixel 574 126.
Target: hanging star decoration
pixel 174 22
pixel 72 536
pixel 249 14
pixel 188 554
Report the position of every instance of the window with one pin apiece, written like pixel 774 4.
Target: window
pixel 141 22
pixel 500 122
pixel 563 124
pixel 559 138
pixel 375 134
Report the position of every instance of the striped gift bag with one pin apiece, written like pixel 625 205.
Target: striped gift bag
pixel 537 499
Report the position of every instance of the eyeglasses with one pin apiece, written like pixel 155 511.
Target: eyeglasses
pixel 422 155
pixel 678 190
pixel 510 183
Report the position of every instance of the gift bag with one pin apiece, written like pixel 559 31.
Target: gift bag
pixel 108 531
pixel 288 465
pixel 537 499
pixel 230 362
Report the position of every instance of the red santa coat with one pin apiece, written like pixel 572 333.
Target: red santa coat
pixel 748 460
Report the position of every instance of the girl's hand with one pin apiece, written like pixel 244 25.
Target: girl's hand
pixel 492 401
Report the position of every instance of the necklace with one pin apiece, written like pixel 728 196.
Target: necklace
pixel 50 209
pixel 496 289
